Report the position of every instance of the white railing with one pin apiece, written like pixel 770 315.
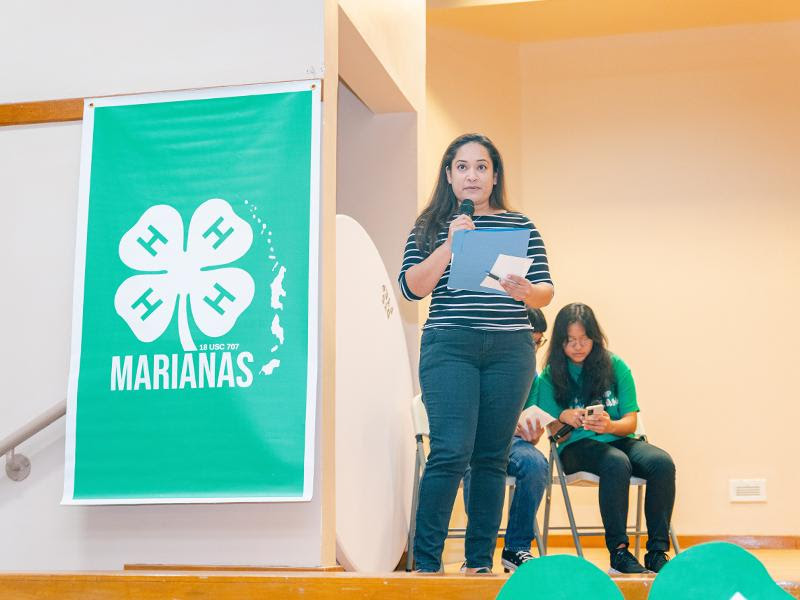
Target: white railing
pixel 17 465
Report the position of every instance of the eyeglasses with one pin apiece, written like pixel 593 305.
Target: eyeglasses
pixel 578 342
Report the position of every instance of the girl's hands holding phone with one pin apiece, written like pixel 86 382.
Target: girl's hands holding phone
pixel 598 421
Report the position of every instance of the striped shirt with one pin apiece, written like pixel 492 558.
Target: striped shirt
pixel 477 310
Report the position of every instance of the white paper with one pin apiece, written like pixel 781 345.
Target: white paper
pixel 503 267
pixel 540 415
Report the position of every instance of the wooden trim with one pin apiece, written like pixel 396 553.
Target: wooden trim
pixel 71 109
pixel 216 586
pixel 321 586
pixel 47 111
pixel 228 568
pixel 751 542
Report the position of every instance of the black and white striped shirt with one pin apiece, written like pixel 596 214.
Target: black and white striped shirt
pixel 477 310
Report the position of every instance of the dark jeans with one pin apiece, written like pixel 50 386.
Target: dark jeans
pixel 529 467
pixel 474 384
pixel 615 462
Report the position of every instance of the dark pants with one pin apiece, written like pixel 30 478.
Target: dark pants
pixel 474 384
pixel 615 462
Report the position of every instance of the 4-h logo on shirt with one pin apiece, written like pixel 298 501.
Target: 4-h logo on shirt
pixel 198 277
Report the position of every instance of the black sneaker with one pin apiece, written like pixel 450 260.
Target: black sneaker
pixel 623 562
pixel 514 558
pixel 655 560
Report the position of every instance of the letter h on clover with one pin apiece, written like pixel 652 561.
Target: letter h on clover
pixel 198 279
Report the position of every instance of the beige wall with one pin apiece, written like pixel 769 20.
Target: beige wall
pixel 380 116
pixel 375 155
pixel 326 383
pixel 395 32
pixel 662 172
pixel 53 50
pixel 473 85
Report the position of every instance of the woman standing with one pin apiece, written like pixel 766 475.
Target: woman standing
pixel 580 372
pixel 476 355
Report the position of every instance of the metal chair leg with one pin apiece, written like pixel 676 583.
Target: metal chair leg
pixel 538 537
pixel 674 539
pixel 548 498
pixel 419 468
pixel 563 481
pixel 638 533
pixel 511 491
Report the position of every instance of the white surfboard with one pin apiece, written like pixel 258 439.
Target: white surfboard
pixel 374 436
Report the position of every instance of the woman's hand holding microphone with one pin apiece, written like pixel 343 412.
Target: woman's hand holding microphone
pixel 461 222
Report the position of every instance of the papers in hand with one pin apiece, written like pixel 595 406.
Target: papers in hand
pixel 476 250
pixel 503 267
pixel 532 419
pixel 540 415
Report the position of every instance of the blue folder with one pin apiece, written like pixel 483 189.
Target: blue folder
pixel 476 250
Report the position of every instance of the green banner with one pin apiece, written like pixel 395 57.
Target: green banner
pixel 194 344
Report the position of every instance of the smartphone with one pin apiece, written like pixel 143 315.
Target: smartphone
pixel 594 409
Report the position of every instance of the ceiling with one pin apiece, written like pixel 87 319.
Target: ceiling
pixel 560 19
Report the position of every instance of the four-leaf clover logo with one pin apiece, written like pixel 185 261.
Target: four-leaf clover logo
pixel 191 272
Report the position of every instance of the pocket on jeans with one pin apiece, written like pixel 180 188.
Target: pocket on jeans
pixel 428 337
pixel 427 351
pixel 529 339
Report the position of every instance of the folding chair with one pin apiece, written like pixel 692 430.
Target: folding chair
pixel 586 479
pixel 422 430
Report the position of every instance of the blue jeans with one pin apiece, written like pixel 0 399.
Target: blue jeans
pixel 529 467
pixel 474 384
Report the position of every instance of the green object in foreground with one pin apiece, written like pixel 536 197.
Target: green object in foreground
pixel 559 577
pixel 715 570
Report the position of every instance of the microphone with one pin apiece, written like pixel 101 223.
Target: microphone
pixel 561 433
pixel 467 207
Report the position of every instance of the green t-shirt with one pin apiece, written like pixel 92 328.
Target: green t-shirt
pixel 619 401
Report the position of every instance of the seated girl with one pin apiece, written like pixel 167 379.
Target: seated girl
pixel 580 372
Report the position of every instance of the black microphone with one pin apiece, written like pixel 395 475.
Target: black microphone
pixel 467 207
pixel 561 433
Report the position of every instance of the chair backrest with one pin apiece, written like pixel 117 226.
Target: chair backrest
pixel 640 432
pixel 419 417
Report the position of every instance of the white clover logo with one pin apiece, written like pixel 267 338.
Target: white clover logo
pixel 196 277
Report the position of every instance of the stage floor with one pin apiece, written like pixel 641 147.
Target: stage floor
pixel 783 565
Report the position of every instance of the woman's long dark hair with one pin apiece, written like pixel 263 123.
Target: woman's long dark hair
pixel 597 375
pixel 443 202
